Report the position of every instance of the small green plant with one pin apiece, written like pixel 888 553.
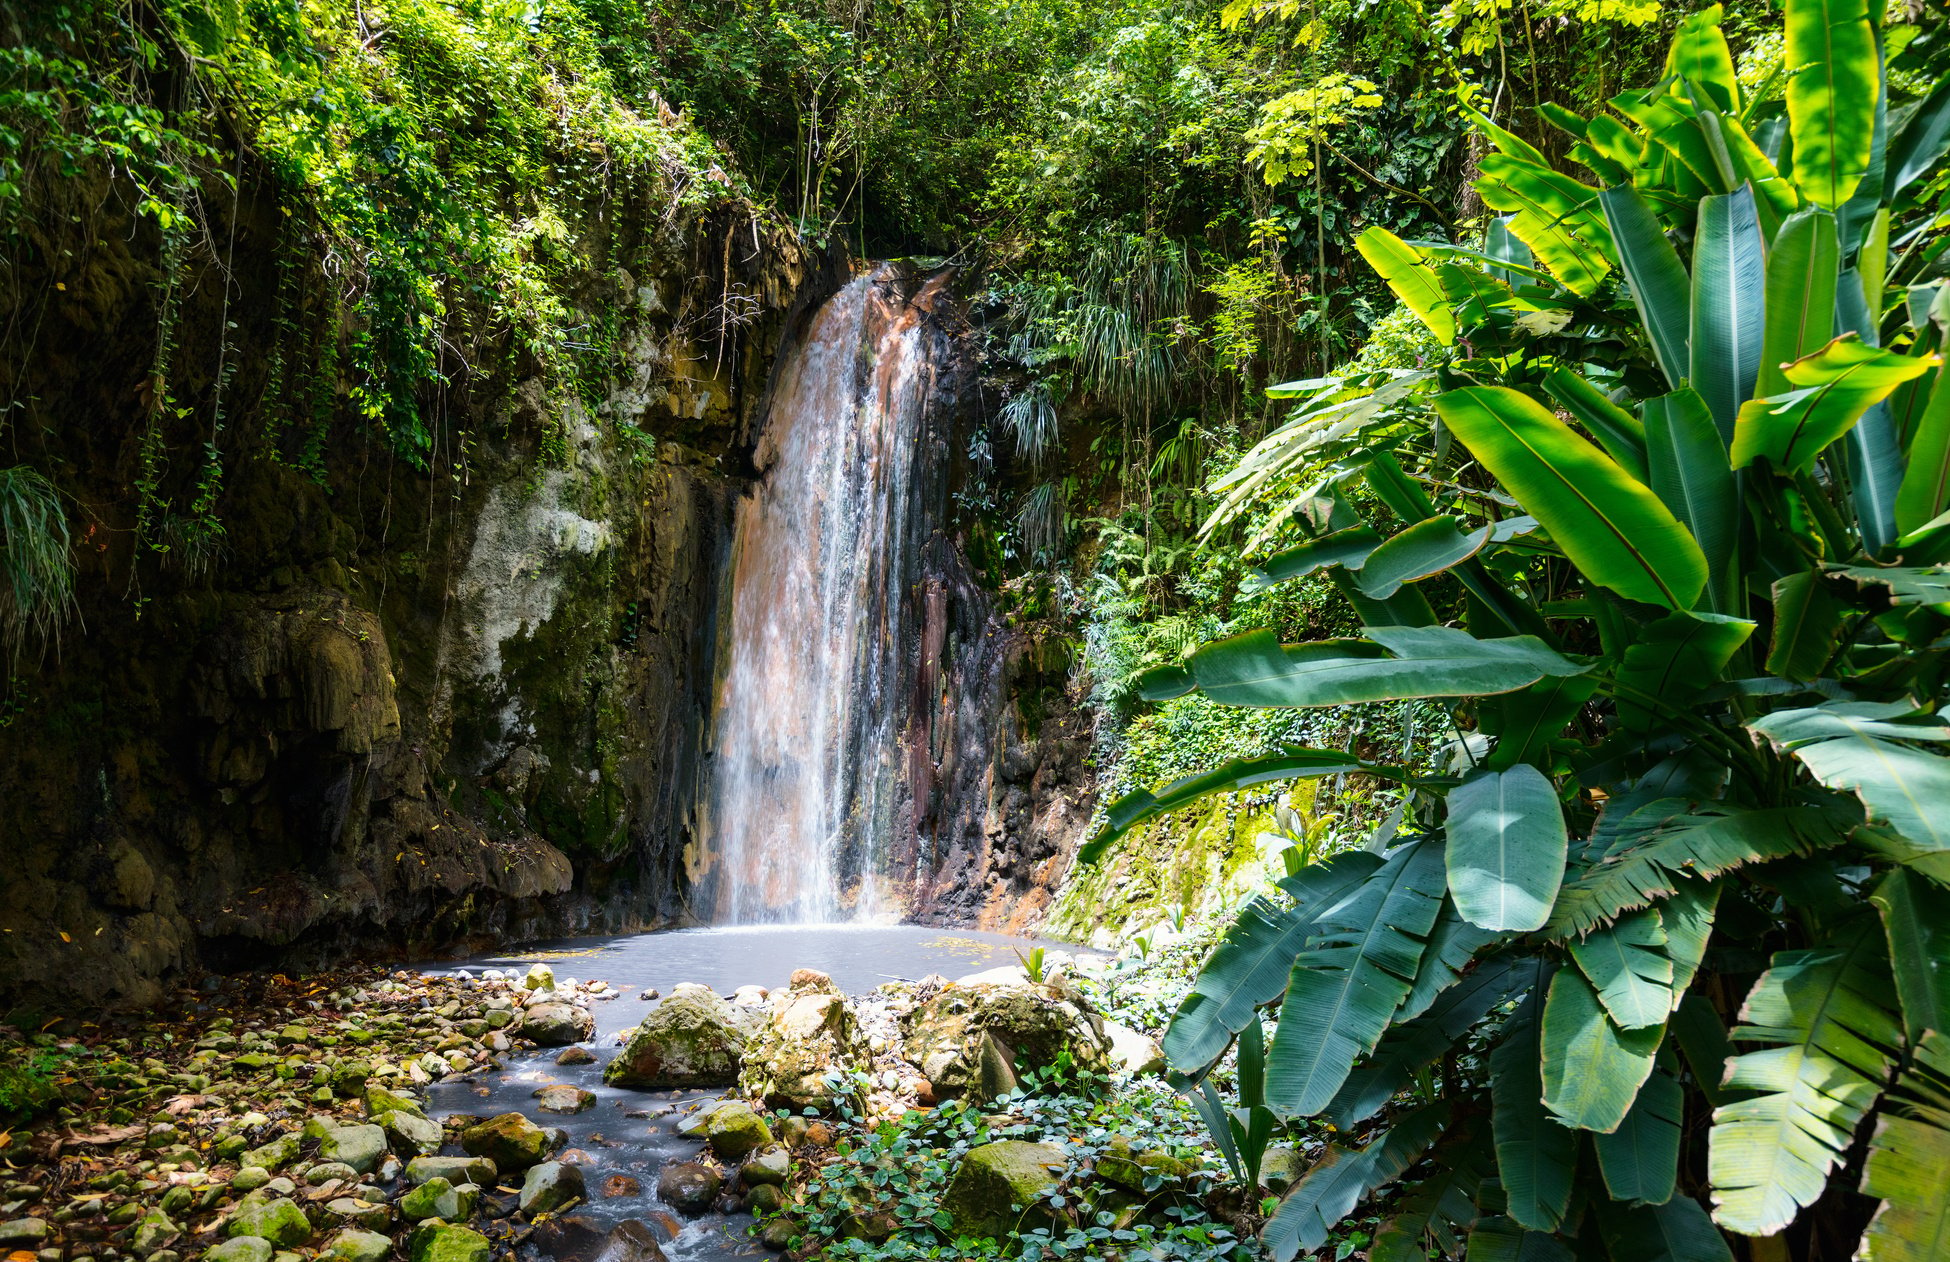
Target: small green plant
pixel 36 560
pixel 1032 964
pixel 31 1084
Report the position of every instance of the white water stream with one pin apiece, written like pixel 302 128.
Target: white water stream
pixel 804 740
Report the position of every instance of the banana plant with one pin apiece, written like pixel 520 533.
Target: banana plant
pixel 1669 531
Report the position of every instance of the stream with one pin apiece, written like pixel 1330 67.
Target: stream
pixel 633 1133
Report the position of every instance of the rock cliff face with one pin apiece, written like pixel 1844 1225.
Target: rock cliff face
pixel 395 709
pixel 402 706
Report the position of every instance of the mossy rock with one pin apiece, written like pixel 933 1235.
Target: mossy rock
pixel 510 1141
pixel 1003 1187
pixel 272 1218
pixel 447 1243
pixel 810 1034
pixel 1128 1166
pixel 734 1131
pixel 692 1039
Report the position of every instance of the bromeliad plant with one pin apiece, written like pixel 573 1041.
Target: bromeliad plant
pixel 1677 929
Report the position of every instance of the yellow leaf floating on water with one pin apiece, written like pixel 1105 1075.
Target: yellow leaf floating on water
pixel 65 937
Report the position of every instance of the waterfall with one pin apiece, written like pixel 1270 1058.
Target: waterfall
pixel 807 738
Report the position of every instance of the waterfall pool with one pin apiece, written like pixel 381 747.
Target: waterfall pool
pixel 633 1133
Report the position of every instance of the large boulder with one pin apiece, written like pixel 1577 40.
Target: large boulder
pixel 1003 1187
pixel 509 1140
pixel 977 1041
pixel 692 1039
pixel 809 1036
pixel 557 1024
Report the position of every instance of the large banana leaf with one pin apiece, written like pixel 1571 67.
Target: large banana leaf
pixel 1676 658
pixel 1506 848
pixel 1627 964
pixel 1412 279
pixel 1729 305
pixel 1496 1238
pixel 1435 1212
pixel 1916 920
pixel 1802 264
pixel 1612 527
pixel 1831 98
pixel 1535 1155
pixel 1249 966
pixel 1328 1192
pixel 1452 944
pixel 1807 626
pixel 1141 806
pixel 1909 1163
pixel 1835 386
pixel 1790 730
pixel 1922 140
pixel 1592 1069
pixel 1925 490
pixel 1899 785
pixel 1677 1231
pixel 1640 1160
pixel 1353 974
pixel 1687 455
pixel 1525 723
pixel 1658 281
pixel 1554 216
pixel 1688 920
pixel 1699 57
pixel 1343 547
pixel 1827 1014
pixel 1254 669
pixel 1619 432
pixel 1412 1045
pixel 1650 863
pixel 1427 548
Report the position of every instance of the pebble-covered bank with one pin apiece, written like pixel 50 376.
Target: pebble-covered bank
pixel 271 1119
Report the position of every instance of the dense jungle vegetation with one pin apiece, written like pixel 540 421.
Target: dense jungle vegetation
pixel 1530 417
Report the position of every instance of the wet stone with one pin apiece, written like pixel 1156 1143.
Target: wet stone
pixel 241 1249
pixel 689 1187
pixel 550 1186
pixel 562 1098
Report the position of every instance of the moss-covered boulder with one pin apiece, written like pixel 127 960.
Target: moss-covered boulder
pixel 356 1245
pixel 243 1249
pixel 1003 1187
pixel 269 1218
pixel 734 1130
pixel 1131 1167
pixel 976 1041
pixel 509 1140
pixel 447 1243
pixel 809 1036
pixel 692 1039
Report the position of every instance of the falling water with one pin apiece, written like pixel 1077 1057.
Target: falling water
pixel 805 744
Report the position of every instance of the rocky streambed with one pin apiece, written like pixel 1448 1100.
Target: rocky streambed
pixel 493 1115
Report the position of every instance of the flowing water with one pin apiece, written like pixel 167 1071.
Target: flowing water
pixel 806 741
pixel 633 1133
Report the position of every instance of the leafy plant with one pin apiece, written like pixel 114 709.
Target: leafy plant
pixel 1683 487
pixel 36 559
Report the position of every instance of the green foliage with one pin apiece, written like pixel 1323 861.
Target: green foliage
pixel 1678 791
pixel 31 1080
pixel 36 559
